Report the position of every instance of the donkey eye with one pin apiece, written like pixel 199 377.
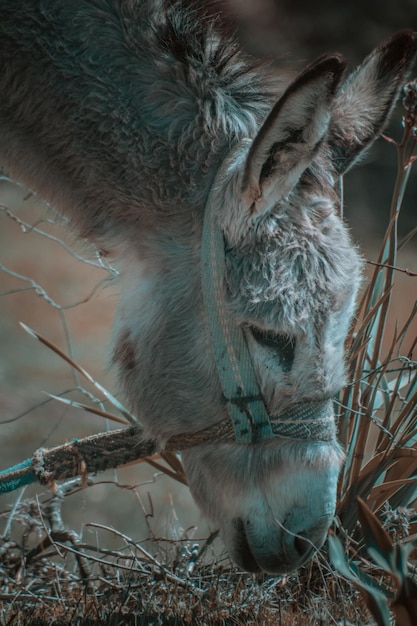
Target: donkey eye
pixel 282 344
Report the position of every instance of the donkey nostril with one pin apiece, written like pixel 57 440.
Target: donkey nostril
pixel 242 551
pixel 302 546
pixel 300 541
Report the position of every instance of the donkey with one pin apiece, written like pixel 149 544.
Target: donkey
pixel 216 188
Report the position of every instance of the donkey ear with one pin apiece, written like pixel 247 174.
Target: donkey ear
pixel 366 100
pixel 291 135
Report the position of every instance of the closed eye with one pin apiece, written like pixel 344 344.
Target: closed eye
pixel 281 344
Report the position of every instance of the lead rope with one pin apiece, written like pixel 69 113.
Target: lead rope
pixel 234 364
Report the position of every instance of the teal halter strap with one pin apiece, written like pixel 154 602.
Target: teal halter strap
pixel 307 420
pixel 240 387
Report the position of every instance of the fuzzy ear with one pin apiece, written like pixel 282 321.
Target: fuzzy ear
pixel 366 100
pixel 291 135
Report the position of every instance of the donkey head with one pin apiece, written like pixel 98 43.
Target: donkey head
pixel 292 275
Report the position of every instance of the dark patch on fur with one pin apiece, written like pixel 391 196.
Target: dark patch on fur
pixel 293 136
pixel 124 353
pixel 398 50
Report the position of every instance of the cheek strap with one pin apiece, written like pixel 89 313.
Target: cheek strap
pixel 245 404
pixel 233 361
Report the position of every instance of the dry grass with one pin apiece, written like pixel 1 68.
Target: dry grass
pixel 379 427
pixel 62 580
pixel 51 574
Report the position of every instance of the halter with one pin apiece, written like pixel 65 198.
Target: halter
pixel 245 404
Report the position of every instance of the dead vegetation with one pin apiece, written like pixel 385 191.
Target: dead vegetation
pixel 63 580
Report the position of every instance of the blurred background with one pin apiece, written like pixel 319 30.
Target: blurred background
pixel 72 301
pixel 294 32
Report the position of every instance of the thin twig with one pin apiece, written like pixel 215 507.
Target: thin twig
pixel 392 267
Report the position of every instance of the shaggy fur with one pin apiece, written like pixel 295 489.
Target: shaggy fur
pixel 119 113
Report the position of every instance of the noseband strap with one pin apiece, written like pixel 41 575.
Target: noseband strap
pixel 312 420
pixel 251 422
